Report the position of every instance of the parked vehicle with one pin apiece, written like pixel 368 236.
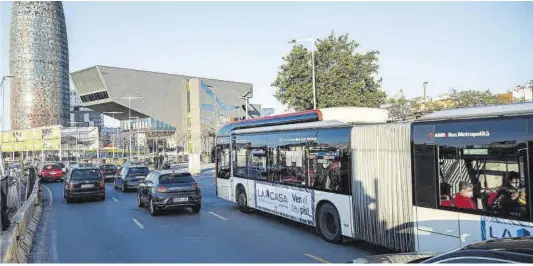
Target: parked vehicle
pixel 84 182
pixel 502 250
pixel 108 171
pixel 51 172
pixel 169 190
pixel 129 177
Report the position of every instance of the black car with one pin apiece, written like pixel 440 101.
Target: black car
pixel 84 182
pixel 502 250
pixel 129 177
pixel 108 171
pixel 169 190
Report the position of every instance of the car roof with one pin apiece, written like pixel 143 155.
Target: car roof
pixel 480 254
pixel 512 243
pixel 172 171
pixel 136 166
pixel 85 167
pixel 511 249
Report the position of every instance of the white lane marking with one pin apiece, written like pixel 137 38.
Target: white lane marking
pixel 49 192
pixel 115 200
pixel 216 215
pixel 139 224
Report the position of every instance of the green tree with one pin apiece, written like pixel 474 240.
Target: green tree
pixel 469 98
pixel 399 107
pixel 343 77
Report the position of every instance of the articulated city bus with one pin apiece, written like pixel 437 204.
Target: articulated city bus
pixel 444 181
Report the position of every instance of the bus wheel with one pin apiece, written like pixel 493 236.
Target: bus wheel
pixel 329 223
pixel 242 202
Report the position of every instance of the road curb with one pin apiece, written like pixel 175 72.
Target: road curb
pixel 17 241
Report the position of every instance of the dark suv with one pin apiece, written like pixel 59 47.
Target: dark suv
pixel 168 190
pixel 84 182
pixel 129 177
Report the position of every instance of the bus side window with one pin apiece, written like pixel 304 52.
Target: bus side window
pixel 223 163
pixel 240 167
pixel 257 156
pixel 485 174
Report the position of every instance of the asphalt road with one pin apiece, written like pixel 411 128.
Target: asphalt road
pixel 117 231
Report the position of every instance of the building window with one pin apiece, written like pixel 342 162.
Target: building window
pixel 94 96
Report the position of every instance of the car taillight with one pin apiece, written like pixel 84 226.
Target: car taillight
pixel 161 189
pixel 102 184
pixel 196 186
pixel 70 186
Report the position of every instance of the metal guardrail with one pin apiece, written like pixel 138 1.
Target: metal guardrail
pixel 15 192
pixel 16 242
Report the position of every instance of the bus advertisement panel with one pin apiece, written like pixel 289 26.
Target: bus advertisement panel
pixel 290 202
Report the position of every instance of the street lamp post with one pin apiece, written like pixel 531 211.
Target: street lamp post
pixel 312 41
pixel 77 139
pixel 3 122
pixel 138 133
pixel 129 114
pixel 113 114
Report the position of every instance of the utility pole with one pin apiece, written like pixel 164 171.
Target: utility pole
pixel 129 117
pixel 424 85
pixel 114 147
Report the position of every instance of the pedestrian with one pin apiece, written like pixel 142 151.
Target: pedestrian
pixel 3 199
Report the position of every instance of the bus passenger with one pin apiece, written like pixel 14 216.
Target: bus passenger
pixel 508 194
pixel 463 199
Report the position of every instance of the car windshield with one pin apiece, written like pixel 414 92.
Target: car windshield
pixel 176 178
pixel 61 164
pixel 138 171
pixel 85 174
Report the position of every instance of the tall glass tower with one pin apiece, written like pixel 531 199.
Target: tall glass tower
pixel 38 60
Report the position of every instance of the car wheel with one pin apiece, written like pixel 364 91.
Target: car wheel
pixel 196 208
pixel 102 198
pixel 123 188
pixel 242 202
pixel 69 200
pixel 153 208
pixel 140 204
pixel 329 223
pixel 115 184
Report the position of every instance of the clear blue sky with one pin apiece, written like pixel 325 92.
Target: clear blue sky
pixel 466 45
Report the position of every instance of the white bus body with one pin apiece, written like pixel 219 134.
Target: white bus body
pixel 395 198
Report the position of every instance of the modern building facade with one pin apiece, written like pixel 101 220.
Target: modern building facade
pixel 82 116
pixel 195 107
pixel 39 62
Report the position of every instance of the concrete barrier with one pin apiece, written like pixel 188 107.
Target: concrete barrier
pixel 16 243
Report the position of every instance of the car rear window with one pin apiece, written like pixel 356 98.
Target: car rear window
pixel 52 167
pixel 107 167
pixel 138 171
pixel 85 174
pixel 61 164
pixel 175 178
